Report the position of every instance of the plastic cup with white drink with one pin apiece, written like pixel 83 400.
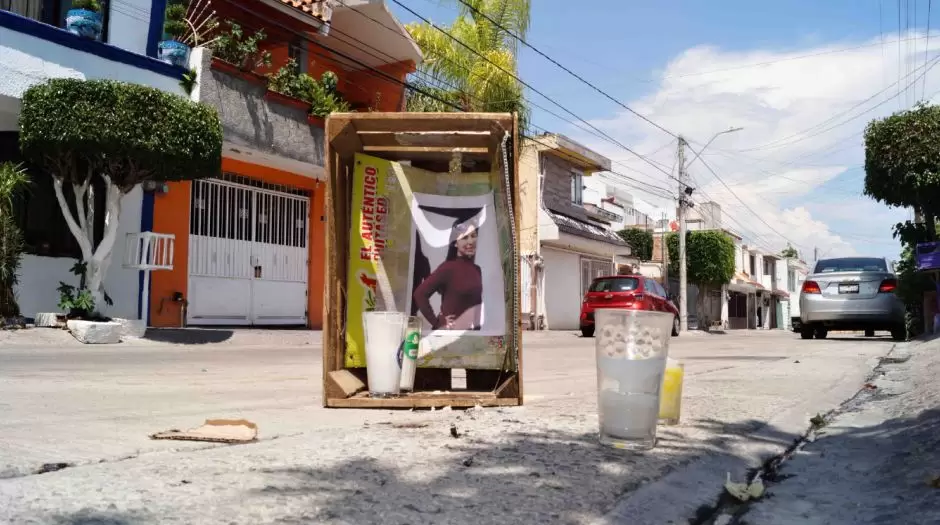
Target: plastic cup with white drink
pixel 631 348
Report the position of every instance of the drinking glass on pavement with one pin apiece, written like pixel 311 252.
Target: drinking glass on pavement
pixel 631 348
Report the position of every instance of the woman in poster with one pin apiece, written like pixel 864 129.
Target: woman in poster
pixel 459 281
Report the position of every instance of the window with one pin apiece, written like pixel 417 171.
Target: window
pixel 52 12
pixel 851 264
pixel 619 284
pixel 577 187
pixel 753 267
pixel 768 267
pixel 37 209
pixel 592 269
pixel 298 53
pixel 791 280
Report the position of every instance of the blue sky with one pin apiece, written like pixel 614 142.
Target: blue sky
pixel 652 55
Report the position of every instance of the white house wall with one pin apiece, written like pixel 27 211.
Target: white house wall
pixel 39 276
pixel 129 21
pixel 563 291
pixel 26 60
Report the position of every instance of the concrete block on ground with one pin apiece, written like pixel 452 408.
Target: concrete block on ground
pixel 47 320
pixel 131 327
pixel 96 333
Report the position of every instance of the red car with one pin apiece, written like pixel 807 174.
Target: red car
pixel 633 292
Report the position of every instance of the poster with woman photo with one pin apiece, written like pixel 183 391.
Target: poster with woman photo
pixel 455 264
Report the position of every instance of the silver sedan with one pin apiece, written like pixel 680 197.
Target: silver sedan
pixel 851 293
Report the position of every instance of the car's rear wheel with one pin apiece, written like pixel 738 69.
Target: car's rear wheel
pixel 869 333
pixel 821 333
pixel 899 334
pixel 587 331
pixel 806 332
pixel 675 327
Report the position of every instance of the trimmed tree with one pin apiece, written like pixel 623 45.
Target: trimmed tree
pixel 640 242
pixel 902 161
pixel 710 260
pixel 789 252
pixel 123 133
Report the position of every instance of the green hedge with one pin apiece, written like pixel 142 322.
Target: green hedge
pixel 128 131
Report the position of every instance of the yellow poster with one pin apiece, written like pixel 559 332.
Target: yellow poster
pixel 397 210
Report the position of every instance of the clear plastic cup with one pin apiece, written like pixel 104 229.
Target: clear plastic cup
pixel 631 348
pixel 385 332
pixel 670 400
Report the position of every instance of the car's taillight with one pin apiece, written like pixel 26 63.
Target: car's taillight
pixel 888 286
pixel 811 287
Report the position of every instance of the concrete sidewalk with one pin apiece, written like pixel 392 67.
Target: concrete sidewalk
pixel 876 462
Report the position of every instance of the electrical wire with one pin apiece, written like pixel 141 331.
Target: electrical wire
pixel 927 44
pixel 529 86
pixel 567 70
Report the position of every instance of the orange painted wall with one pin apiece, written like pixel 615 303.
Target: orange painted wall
pixel 171 215
pixel 363 85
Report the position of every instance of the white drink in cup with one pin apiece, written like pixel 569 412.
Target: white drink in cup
pixel 384 337
pixel 631 348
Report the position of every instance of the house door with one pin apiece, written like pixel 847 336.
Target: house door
pixel 247 254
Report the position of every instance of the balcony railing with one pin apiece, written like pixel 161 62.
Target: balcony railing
pixel 50 12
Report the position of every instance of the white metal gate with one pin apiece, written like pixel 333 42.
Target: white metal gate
pixel 248 253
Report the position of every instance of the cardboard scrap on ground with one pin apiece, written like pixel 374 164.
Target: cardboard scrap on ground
pixel 216 431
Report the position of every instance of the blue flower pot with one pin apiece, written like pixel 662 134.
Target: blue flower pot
pixel 84 23
pixel 173 52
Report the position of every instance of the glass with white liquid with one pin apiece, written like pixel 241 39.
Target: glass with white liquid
pixel 384 337
pixel 631 348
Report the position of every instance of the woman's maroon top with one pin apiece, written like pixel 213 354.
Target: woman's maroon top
pixel 460 283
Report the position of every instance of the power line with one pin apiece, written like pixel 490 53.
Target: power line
pixel 567 70
pixel 532 88
pixel 775 143
pixel 923 89
pixel 719 179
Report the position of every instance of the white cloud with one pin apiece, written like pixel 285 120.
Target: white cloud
pixel 806 185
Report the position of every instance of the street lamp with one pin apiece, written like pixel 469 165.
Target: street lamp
pixel 683 204
pixel 720 133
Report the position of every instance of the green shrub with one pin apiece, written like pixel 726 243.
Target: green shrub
pixel 91 5
pixel 13 179
pixel 128 132
pixel 321 95
pixel 640 242
pixel 175 29
pixel 234 47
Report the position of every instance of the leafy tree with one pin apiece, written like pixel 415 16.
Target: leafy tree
pixel 789 252
pixel 902 161
pixel 710 259
pixel 475 83
pixel 122 133
pixel 640 242
pixel 12 180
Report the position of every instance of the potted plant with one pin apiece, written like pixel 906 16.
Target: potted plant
pixel 237 53
pixel 173 50
pixel 84 19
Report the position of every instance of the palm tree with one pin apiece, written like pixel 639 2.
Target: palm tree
pixel 12 179
pixel 460 76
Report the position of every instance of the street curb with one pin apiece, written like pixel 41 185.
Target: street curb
pixel 692 494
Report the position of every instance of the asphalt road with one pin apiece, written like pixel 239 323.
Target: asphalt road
pixel 61 402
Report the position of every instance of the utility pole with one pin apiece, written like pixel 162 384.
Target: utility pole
pixel 662 249
pixel 683 274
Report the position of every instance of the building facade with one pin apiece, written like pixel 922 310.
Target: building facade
pixel 248 244
pixel 565 241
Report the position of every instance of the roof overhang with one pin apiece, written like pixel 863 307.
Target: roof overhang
pixel 590 161
pixel 368 32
